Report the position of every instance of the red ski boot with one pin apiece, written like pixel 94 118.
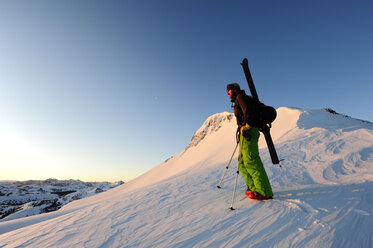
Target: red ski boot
pixel 248 193
pixel 256 196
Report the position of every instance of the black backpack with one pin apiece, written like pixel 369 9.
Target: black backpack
pixel 263 115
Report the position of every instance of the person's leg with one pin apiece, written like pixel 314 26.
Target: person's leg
pixel 244 172
pixel 253 166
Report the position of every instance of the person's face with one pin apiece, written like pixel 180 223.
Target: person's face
pixel 231 93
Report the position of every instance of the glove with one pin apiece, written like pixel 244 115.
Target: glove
pixel 245 131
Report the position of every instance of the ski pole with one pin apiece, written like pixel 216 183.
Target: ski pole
pixel 238 171
pixel 226 168
pixel 235 185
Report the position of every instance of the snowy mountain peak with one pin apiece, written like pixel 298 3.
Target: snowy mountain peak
pixel 212 124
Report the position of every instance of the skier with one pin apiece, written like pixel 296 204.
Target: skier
pixel 250 164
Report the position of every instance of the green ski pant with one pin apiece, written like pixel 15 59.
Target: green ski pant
pixel 251 166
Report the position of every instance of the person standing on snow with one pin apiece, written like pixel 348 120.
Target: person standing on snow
pixel 250 164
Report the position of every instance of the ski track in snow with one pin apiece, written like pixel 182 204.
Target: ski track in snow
pixel 323 198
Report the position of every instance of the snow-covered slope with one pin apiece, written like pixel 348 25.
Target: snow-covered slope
pixel 323 194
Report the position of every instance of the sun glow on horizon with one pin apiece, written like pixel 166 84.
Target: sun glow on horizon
pixel 22 158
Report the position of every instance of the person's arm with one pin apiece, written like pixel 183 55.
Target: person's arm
pixel 242 103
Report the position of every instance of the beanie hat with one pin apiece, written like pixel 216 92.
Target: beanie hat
pixel 233 86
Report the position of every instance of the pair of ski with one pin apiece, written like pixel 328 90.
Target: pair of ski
pixel 265 129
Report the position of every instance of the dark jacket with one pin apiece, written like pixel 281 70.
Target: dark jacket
pixel 244 109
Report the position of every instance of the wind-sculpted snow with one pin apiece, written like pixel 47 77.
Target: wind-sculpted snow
pixel 321 154
pixel 331 121
pixel 322 196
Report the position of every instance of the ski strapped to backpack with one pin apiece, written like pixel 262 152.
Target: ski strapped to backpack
pixel 266 115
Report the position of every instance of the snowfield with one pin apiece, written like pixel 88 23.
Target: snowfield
pixel 323 194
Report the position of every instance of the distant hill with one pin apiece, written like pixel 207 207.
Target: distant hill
pixel 26 198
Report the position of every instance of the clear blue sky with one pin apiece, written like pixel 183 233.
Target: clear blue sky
pixel 106 90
